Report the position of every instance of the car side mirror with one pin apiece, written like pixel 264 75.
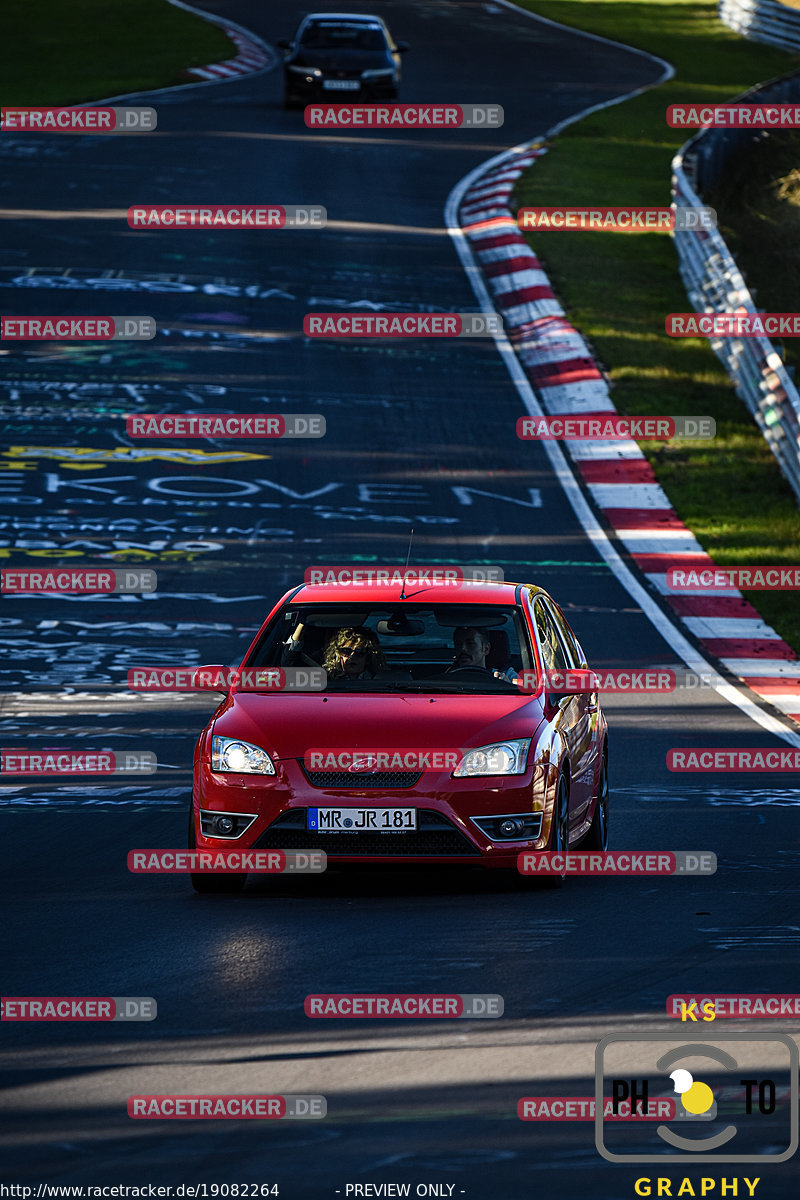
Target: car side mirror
pixel 215 678
pixel 401 47
pixel 576 681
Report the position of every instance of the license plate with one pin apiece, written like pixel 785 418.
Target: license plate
pixel 341 85
pixel 362 820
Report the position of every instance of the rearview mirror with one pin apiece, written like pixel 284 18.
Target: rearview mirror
pixel 399 625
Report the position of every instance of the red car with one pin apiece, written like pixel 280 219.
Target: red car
pixel 422 747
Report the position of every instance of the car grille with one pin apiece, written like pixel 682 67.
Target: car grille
pixel 355 781
pixel 436 837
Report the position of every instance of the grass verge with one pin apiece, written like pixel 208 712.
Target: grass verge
pixel 618 288
pixel 67 53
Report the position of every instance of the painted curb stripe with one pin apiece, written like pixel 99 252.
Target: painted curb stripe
pixel 250 58
pixel 720 606
pixel 555 359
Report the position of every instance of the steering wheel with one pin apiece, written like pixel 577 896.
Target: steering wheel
pixel 483 671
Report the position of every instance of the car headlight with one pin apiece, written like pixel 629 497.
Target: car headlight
pixel 229 754
pixel 315 71
pixel 379 73
pixel 503 758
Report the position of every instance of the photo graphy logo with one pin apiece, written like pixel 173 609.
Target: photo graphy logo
pixel 727 1083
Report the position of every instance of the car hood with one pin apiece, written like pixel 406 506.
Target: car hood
pixel 288 726
pixel 341 60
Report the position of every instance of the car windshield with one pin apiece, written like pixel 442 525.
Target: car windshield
pixel 343 37
pixel 459 649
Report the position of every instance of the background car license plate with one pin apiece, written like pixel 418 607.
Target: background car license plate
pixel 341 85
pixel 362 820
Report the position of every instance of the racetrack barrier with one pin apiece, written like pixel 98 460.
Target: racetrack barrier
pixel 763 21
pixel 714 283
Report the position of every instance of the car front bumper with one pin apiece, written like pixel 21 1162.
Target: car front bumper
pixel 445 807
pixel 300 87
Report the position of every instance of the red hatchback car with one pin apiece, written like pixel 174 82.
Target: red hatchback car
pixel 422 747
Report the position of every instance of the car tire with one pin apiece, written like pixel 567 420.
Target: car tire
pixel 559 833
pixel 211 884
pixel 597 837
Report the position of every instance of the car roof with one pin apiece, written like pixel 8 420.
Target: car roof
pixel 342 16
pixel 389 593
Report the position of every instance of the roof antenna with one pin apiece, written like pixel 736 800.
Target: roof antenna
pixel 405 568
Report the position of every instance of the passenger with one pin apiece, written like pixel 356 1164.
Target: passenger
pixel 471 646
pixel 354 654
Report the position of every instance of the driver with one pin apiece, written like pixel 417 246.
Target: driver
pixel 471 645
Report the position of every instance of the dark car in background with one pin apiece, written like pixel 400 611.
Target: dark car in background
pixel 340 57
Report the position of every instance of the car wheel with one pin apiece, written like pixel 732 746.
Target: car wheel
pixel 597 837
pixel 211 884
pixel 559 832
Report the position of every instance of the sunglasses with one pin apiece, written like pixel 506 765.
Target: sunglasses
pixel 346 651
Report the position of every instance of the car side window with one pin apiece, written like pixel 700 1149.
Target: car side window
pixel 553 652
pixel 569 639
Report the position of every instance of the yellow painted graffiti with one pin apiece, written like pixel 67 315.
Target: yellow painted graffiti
pixel 85 457
pixel 124 555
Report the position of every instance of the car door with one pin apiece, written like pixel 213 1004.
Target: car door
pixel 573 714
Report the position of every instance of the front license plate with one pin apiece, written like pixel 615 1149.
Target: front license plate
pixel 341 85
pixel 362 820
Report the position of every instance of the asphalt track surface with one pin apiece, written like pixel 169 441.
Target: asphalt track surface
pixel 419 434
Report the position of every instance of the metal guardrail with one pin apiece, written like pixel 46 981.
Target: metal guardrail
pixel 714 284
pixel 763 21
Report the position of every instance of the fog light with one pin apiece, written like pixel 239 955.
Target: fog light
pixel 510 827
pixel 224 824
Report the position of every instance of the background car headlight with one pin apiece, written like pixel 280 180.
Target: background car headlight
pixel 312 71
pixel 379 73
pixel 503 758
pixel 229 754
